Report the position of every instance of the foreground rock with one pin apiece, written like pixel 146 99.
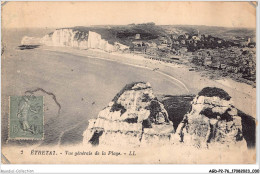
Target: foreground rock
pixel 134 118
pixel 212 122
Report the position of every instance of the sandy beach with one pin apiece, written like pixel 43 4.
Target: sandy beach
pixel 191 81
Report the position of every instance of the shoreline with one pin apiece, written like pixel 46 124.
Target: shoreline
pixel 191 80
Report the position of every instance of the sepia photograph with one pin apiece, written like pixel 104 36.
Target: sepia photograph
pixel 137 82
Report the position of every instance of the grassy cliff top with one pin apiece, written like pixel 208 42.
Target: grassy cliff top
pixel 214 92
pixel 125 34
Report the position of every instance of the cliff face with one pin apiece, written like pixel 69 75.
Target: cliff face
pixel 136 118
pixel 66 37
pixel 133 118
pixel 96 42
pixel 213 122
pixel 74 38
pixel 79 39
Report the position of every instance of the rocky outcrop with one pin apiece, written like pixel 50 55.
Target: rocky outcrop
pixel 134 118
pixel 212 122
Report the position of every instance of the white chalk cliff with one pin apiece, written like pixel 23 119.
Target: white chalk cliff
pixel 96 42
pixel 66 38
pixel 74 38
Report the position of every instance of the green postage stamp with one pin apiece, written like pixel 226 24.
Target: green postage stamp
pixel 26 119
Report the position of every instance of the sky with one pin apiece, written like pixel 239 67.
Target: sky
pixel 69 14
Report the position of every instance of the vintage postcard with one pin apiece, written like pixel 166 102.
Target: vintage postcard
pixel 128 82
